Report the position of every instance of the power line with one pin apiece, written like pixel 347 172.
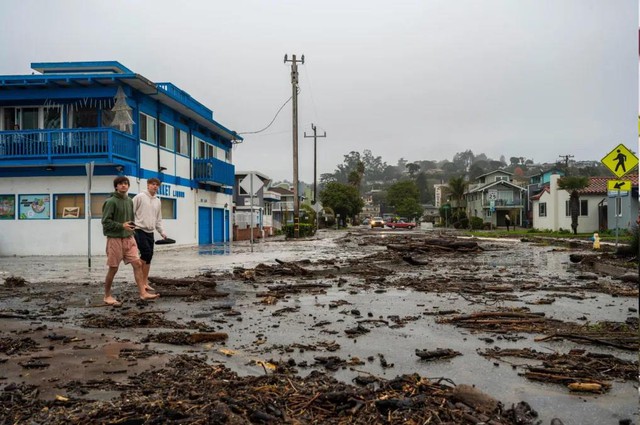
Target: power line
pixel 274 118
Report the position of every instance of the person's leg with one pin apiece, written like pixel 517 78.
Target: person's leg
pixel 145 241
pixel 108 281
pixel 131 256
pixel 114 256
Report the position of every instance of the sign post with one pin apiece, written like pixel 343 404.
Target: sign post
pixel 251 184
pixel 620 161
pixel 89 166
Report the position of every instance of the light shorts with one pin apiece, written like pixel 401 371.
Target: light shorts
pixel 121 249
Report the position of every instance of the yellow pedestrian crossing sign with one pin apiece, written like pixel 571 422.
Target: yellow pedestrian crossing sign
pixel 620 160
pixel 622 185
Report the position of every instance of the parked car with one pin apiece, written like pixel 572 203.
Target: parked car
pixel 376 222
pixel 401 223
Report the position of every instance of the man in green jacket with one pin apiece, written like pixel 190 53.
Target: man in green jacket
pixel 118 227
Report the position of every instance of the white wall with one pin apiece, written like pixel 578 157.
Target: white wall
pixel 556 218
pixel 70 236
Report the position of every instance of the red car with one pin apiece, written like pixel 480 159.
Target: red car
pixel 401 223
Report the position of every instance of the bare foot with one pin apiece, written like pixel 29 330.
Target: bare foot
pixel 147 287
pixel 112 301
pixel 148 297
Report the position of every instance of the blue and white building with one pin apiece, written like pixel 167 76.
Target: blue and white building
pixel 71 120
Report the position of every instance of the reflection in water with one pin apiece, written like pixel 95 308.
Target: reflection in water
pixel 223 248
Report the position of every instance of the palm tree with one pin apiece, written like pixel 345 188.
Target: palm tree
pixel 573 184
pixel 457 188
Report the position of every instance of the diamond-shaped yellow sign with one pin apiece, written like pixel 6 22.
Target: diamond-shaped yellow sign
pixel 622 185
pixel 620 160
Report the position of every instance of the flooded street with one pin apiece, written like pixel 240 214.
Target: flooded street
pixel 517 320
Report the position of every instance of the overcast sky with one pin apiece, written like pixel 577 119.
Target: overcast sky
pixel 419 80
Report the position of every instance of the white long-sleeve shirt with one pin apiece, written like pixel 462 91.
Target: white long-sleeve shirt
pixel 148 212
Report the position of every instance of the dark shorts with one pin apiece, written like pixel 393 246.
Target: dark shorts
pixel 145 245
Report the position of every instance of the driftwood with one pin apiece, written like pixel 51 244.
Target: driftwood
pixel 451 245
pixel 439 353
pixel 414 261
pixel 185 281
pixel 598 341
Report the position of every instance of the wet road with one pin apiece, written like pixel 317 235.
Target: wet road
pixel 258 334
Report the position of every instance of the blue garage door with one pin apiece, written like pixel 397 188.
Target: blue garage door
pixel 205 228
pixel 218 225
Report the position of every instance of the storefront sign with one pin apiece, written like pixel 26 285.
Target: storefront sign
pixel 7 207
pixel 34 207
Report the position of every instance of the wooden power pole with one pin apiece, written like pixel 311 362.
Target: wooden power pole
pixel 294 96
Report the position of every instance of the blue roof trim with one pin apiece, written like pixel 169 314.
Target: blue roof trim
pixel 57 74
pixel 75 67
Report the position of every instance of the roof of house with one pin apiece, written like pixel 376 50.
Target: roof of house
pixel 598 185
pixel 539 194
pixel 499 182
pixel 494 172
pixel 112 73
pixel 281 190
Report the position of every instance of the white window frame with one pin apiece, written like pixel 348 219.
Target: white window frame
pixel 169 136
pixel 150 129
pixel 542 206
pixel 182 142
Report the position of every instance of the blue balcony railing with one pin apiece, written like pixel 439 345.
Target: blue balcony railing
pixel 31 146
pixel 186 99
pixel 213 171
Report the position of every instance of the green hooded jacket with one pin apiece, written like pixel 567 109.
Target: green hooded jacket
pixel 116 210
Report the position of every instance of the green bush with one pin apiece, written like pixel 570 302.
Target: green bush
pixel 305 230
pixel 476 223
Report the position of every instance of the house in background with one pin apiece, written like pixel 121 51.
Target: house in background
pixel 283 209
pixel 537 183
pixel 73 119
pixel 599 209
pixel 262 209
pixel 493 195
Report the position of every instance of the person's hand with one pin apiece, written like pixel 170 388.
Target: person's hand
pixel 129 225
pixel 164 235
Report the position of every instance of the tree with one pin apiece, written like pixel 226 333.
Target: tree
pixel 405 189
pixel 413 168
pixel 409 208
pixel 404 197
pixel 344 199
pixel 573 184
pixel 423 188
pixel 457 188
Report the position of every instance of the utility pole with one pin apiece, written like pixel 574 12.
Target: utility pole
pixel 566 162
pixel 315 158
pixel 294 96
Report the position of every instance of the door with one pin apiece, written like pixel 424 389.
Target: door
pixel 205 230
pixel 218 225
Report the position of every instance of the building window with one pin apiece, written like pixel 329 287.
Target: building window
pixel 168 208
pixel 97 201
pixel 542 209
pixel 583 211
pixel 167 134
pixel 52 117
pixel 147 129
pixel 227 155
pixel 85 117
pixel 69 206
pixel 183 142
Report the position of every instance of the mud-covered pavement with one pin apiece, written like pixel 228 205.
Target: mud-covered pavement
pixel 365 327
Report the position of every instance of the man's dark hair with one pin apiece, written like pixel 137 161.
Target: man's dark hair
pixel 154 180
pixel 120 179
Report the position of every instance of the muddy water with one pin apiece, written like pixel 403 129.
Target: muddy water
pixel 256 334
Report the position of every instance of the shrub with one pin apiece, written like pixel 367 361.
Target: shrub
pixel 305 230
pixel 476 223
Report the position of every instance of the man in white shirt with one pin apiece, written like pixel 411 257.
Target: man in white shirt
pixel 148 217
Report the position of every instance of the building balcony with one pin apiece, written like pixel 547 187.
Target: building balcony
pixel 67 146
pixel 213 171
pixel 504 203
pixel 283 206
